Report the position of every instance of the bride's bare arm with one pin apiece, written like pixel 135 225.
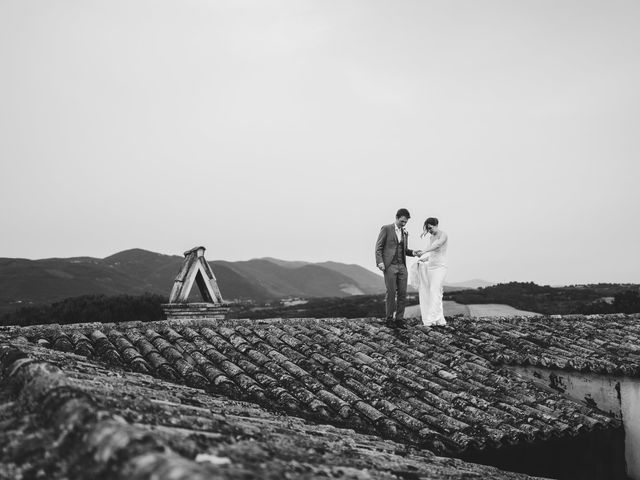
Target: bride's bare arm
pixel 437 244
pixel 434 246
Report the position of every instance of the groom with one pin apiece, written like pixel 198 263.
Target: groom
pixel 391 258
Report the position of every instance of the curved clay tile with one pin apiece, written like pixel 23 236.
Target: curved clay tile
pixel 435 388
pixel 62 342
pixel 81 344
pixel 104 348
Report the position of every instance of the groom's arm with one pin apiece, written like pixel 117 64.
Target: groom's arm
pixel 407 250
pixel 382 239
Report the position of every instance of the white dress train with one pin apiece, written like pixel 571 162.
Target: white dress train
pixel 431 276
pixel 430 291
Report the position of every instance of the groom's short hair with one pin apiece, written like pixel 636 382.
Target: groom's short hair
pixel 403 212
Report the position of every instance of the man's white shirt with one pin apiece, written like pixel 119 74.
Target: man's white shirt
pixel 398 233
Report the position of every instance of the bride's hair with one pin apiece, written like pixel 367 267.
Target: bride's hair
pixel 433 221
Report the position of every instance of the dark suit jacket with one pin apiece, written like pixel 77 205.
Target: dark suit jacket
pixel 387 244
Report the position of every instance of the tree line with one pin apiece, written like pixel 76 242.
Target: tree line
pixel 91 308
pixel 577 299
pixel 590 299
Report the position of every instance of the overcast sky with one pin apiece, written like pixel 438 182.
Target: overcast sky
pixel 295 129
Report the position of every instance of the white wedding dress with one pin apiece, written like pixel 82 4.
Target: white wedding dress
pixel 431 272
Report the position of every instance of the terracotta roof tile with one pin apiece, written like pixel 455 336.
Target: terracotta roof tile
pixel 600 344
pixel 428 387
pixel 105 349
pixel 82 421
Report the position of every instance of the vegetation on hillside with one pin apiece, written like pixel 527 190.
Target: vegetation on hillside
pixel 90 308
pixel 148 307
pixel 26 282
pixel 574 299
pixel 358 306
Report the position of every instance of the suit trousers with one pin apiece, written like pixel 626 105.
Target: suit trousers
pixel 395 279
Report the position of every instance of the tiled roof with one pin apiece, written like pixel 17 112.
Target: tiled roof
pixel 65 417
pixel 423 387
pixel 608 344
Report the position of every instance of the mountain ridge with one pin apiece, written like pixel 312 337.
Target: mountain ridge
pixel 137 271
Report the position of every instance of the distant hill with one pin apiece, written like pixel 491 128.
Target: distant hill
pixel 137 271
pixel 41 281
pixel 367 280
pixel 285 263
pixel 306 280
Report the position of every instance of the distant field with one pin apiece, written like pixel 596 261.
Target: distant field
pixel 450 309
pixel 490 310
pixel 497 310
pixel 454 308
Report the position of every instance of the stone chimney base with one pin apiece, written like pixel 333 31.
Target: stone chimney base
pixel 195 311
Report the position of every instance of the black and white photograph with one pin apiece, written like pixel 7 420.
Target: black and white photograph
pixel 319 239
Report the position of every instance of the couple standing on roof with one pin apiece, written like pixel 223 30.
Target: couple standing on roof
pixel 428 273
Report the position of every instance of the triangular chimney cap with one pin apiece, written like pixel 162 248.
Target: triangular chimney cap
pixel 199 251
pixel 195 268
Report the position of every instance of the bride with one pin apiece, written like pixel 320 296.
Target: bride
pixel 432 270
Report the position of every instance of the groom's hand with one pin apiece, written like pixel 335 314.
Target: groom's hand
pixel 381 266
